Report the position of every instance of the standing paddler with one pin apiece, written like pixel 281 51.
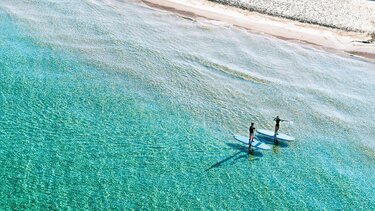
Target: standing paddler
pixel 277 126
pixel 251 136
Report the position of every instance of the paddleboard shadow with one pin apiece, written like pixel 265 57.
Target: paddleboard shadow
pixel 244 149
pixel 270 141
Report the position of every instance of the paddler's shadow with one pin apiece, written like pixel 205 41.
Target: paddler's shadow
pixel 243 152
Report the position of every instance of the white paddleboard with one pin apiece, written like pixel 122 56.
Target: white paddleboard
pixel 271 135
pixel 257 144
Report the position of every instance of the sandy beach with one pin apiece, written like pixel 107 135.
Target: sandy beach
pixel 359 44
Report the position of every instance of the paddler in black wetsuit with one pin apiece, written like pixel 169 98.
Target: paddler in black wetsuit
pixel 277 126
pixel 251 136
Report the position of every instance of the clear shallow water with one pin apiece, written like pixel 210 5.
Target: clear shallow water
pixel 110 105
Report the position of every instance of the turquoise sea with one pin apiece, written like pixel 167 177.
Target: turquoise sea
pixel 111 105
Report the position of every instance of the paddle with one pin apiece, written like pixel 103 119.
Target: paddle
pixel 289 121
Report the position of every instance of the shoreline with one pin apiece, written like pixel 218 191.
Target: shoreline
pixel 330 39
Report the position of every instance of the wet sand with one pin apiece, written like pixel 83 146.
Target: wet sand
pixel 354 43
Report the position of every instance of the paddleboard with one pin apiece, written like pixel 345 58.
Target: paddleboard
pixel 256 144
pixel 271 135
